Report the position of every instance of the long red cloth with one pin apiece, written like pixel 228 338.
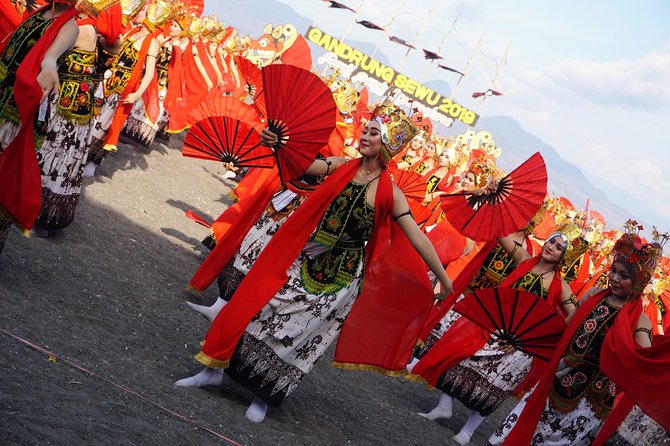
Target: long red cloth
pixel 133 84
pixel 195 90
pixel 21 191
pixel 524 428
pixel 232 226
pixel 268 275
pixel 175 83
pixel 10 19
pixel 465 338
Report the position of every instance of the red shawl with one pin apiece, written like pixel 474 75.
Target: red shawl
pixel 21 191
pixel 465 338
pixel 625 323
pixel 133 84
pixel 174 87
pixel 268 275
pixel 10 19
pixel 231 228
pixel 194 90
pixel 622 359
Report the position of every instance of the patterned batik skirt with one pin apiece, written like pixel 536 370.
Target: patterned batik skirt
pixel 483 381
pixel 555 428
pixel 99 128
pixel 62 158
pixel 287 337
pixel 436 333
pixel 639 430
pixel 138 126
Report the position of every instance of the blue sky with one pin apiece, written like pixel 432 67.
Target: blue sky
pixel 591 78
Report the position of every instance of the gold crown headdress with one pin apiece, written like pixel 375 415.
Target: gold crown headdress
pixel 397 129
pixel 483 167
pixel 184 21
pixel 639 258
pixel 160 13
pixel 93 8
pixel 575 244
pixel 130 9
pixel 345 95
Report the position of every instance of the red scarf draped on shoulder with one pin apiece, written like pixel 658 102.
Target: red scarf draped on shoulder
pixel 268 275
pixel 233 225
pixel 122 112
pixel 194 90
pixel 624 324
pixel 10 19
pixel 21 191
pixel 465 338
pixel 643 374
pixel 174 88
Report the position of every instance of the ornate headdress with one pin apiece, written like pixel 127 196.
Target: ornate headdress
pixel 640 258
pixel 131 8
pixel 184 21
pixel 159 14
pixel 483 167
pixel 396 127
pixel 93 8
pixel 575 244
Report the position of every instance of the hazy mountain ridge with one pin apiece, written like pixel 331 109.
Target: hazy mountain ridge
pixel 566 179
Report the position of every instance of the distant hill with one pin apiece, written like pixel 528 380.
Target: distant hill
pixel 250 16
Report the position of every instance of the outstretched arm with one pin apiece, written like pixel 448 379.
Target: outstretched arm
pixel 419 241
pixel 514 249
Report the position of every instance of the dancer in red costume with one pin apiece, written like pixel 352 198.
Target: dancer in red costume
pixel 28 63
pixel 480 372
pixel 575 395
pixel 305 285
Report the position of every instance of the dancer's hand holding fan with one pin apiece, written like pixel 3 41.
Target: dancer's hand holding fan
pixel 226 130
pixel 506 209
pixel 301 113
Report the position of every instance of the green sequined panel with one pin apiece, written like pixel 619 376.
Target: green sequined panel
pixel 162 62
pixel 23 39
pixel 344 228
pixel 75 99
pixel 585 379
pixel 125 62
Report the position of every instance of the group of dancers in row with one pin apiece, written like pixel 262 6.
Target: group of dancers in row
pixel 350 259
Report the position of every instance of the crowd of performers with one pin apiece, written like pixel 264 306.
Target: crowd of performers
pixel 359 251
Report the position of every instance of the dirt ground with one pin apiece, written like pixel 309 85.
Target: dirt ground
pixel 107 294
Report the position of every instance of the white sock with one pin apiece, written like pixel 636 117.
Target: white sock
pixel 89 169
pixel 228 175
pixel 442 410
pixel 206 377
pixel 411 364
pixel 209 312
pixel 471 425
pixel 257 410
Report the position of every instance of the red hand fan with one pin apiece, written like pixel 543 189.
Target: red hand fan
pixel 226 130
pixel 253 81
pixel 301 111
pixel 517 199
pixel 517 317
pixel 411 184
pixel 298 54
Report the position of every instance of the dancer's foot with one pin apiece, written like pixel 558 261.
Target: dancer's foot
pixel 442 410
pixel 89 169
pixel 209 312
pixel 206 377
pixel 257 411
pixel 462 438
pixel 411 364
pixel 228 175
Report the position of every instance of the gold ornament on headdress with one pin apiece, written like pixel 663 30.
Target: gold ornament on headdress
pixel 397 129
pixel 92 8
pixel 642 258
pixel 484 169
pixel 345 95
pixel 159 14
pixel 130 9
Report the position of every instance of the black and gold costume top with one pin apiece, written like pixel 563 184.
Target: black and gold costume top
pixel 585 379
pixel 345 227
pixel 20 43
pixel 162 62
pixel 495 268
pixel 104 61
pixel 125 62
pixel 570 272
pixel 75 97
pixel 532 282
